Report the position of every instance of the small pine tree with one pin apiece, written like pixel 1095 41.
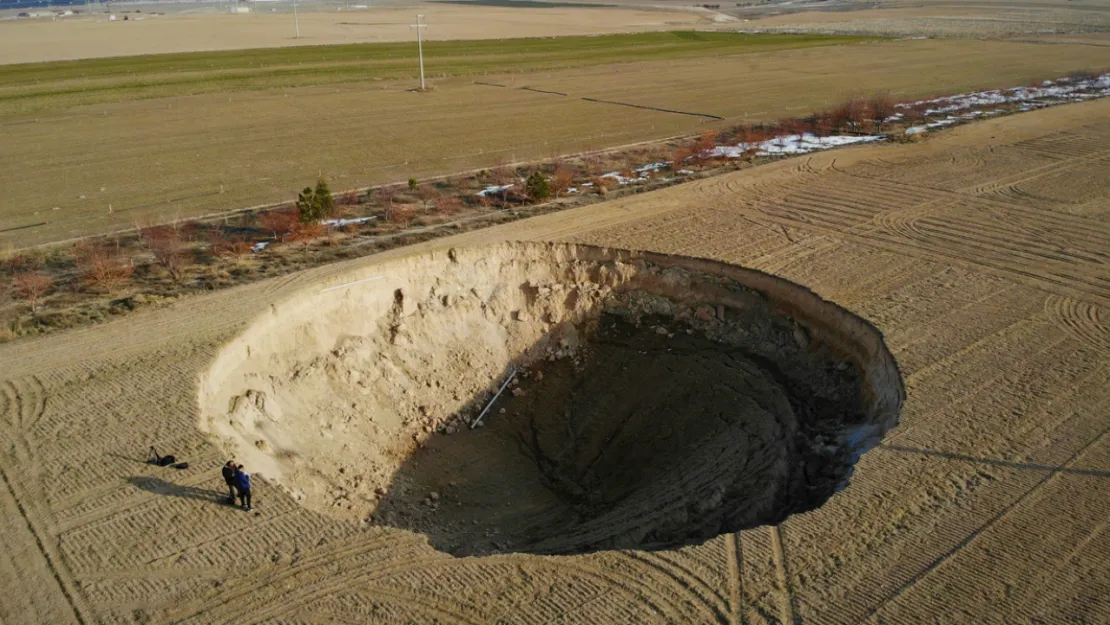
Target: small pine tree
pixel 315 204
pixel 537 187
pixel 325 203
pixel 306 205
pixel 412 184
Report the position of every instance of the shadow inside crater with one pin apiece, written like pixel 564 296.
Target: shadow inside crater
pixel 650 436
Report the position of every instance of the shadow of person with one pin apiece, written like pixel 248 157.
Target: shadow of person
pixel 159 486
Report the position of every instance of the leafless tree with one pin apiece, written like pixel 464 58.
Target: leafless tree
pixel 233 247
pixel 592 162
pixel 504 176
pixel 848 115
pixel 305 233
pixel 400 214
pixel 703 149
pixel 103 264
pixel 682 156
pixel 561 180
pixel 427 193
pixel 350 198
pixel 279 223
pixel 448 204
pixel 168 247
pixel 22 263
pixel 31 286
pixel 881 107
pixel 386 196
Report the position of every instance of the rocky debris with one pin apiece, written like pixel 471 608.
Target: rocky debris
pixel 258 398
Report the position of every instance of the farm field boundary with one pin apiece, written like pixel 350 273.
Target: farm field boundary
pixel 97 168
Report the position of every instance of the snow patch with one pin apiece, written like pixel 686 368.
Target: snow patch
pixel 494 189
pixel 621 179
pixel 1049 93
pixel 339 223
pixel 790 144
pixel 653 167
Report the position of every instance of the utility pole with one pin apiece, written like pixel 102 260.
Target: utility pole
pixel 296 20
pixel 420 45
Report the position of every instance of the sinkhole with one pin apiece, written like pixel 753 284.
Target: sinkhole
pixel 629 400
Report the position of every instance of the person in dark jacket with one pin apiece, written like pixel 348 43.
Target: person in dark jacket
pixel 243 483
pixel 229 479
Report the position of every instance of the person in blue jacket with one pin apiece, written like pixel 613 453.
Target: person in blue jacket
pixel 243 484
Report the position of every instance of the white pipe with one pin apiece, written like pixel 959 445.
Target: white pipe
pixel 490 404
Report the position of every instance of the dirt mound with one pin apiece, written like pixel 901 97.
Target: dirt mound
pixel 657 400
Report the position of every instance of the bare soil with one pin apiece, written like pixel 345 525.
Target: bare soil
pixel 979 253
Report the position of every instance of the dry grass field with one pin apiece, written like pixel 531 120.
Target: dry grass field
pixel 981 254
pixel 965 20
pixel 169 154
pixel 30 41
pixel 995 19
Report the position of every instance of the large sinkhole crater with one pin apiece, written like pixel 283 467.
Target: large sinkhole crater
pixel 655 400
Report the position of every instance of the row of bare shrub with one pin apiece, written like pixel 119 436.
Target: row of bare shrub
pixel 106 265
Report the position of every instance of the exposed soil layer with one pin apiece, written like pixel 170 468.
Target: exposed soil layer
pixel 659 401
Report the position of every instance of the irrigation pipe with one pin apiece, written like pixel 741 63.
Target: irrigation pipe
pixel 512 375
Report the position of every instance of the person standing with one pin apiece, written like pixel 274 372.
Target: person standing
pixel 229 479
pixel 243 483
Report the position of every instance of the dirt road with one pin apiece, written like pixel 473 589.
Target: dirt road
pixel 982 256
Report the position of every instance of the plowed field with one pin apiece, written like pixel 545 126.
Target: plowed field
pixel 981 254
pixel 75 168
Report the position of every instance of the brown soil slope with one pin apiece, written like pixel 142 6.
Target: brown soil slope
pixel 982 256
